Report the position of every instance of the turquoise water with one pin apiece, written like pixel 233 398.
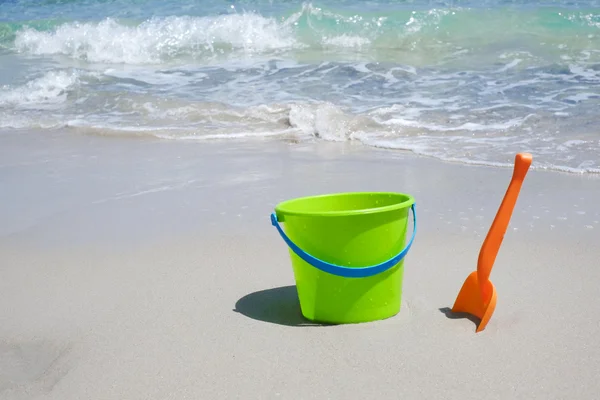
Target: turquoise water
pixel 473 82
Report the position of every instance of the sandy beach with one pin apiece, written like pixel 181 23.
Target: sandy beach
pixel 141 269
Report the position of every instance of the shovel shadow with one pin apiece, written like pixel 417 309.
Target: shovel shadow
pixel 277 306
pixel 459 315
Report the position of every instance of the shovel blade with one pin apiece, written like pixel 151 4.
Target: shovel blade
pixel 470 300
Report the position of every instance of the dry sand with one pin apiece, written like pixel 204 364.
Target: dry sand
pixel 139 269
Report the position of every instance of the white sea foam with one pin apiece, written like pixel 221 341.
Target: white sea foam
pixel 328 122
pixel 157 40
pixel 510 65
pixel 224 136
pixel 49 89
pixel 468 126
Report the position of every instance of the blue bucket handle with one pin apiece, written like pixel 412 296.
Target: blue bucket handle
pixel 347 272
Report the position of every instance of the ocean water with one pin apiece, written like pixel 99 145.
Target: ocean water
pixel 466 81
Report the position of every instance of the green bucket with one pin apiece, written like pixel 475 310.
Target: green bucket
pixel 347 252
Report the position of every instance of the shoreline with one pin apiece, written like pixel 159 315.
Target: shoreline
pixel 285 138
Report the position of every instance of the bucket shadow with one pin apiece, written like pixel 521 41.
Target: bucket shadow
pixel 277 305
pixel 459 315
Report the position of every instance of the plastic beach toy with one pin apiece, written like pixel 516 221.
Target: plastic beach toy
pixel 347 252
pixel 478 294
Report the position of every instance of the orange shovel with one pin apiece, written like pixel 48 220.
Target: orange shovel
pixel 478 294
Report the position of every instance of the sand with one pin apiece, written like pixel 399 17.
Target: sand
pixel 138 269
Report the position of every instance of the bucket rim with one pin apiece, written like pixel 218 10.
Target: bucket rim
pixel 282 209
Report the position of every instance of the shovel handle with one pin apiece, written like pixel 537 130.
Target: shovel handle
pixel 493 240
